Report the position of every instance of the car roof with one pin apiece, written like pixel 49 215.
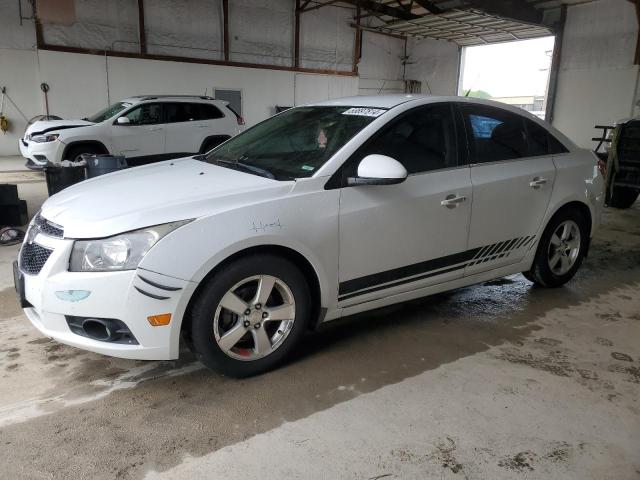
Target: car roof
pixel 391 101
pixel 179 98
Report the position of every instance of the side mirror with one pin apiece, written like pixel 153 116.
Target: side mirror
pixel 379 170
pixel 123 121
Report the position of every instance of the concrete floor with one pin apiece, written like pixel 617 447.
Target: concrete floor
pixel 500 380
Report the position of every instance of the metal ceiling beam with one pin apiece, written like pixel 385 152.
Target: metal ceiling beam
pixel 382 9
pixel 518 10
pixel 430 6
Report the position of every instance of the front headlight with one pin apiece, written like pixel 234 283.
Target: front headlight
pixel 121 252
pixel 44 138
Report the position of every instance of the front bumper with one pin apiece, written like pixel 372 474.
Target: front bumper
pixel 112 295
pixel 38 154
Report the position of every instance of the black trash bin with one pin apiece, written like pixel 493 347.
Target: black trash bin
pixel 58 178
pixel 101 164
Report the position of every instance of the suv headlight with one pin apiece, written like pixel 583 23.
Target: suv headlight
pixel 44 138
pixel 120 252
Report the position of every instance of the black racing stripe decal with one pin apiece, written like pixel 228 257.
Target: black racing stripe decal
pixel 157 285
pixel 151 295
pixel 368 281
pixel 402 282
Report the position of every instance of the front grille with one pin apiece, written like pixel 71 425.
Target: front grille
pixel 46 227
pixel 33 257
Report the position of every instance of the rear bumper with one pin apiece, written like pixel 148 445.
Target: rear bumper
pixel 112 295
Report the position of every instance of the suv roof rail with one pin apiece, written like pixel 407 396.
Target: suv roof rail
pixel 153 97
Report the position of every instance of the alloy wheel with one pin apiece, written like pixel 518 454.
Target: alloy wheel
pixel 564 247
pixel 254 317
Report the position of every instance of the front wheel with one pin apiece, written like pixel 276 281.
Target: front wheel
pixel 250 315
pixel 561 250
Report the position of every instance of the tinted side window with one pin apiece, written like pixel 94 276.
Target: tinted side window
pixel 181 112
pixel 209 112
pixel 422 139
pixel 541 142
pixel 146 114
pixel 494 134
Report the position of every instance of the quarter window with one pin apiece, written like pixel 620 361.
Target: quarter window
pixel 541 142
pixel 494 134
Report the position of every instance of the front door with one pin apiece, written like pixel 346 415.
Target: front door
pixel 398 238
pixel 512 183
pixel 143 136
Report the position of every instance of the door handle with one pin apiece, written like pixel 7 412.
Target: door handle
pixel 452 201
pixel 537 182
pixel 202 126
pixel 155 129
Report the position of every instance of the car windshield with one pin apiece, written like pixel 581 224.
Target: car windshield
pixel 295 143
pixel 108 112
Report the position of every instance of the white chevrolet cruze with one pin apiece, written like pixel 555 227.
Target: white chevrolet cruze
pixel 322 211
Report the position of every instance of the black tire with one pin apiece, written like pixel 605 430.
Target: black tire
pixel 203 314
pixel 74 153
pixel 541 273
pixel 622 197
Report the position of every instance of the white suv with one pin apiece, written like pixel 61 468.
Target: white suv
pixel 144 129
pixel 319 212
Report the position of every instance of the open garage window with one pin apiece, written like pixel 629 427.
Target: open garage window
pixel 515 73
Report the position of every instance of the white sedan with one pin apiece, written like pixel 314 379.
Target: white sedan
pixel 320 212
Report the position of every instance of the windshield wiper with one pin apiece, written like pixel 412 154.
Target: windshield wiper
pixel 243 167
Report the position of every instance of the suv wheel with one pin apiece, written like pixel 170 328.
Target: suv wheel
pixel 250 315
pixel 561 250
pixel 75 153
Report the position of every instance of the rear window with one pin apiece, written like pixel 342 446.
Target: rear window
pixel 190 112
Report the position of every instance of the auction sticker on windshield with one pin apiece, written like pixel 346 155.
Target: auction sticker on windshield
pixel 364 112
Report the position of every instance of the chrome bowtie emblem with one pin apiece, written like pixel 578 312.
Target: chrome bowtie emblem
pixel 32 233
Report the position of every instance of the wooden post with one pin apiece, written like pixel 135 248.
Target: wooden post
pixel 357 46
pixel 225 29
pixel 296 37
pixel 142 34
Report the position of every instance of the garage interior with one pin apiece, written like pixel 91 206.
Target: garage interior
pixel 499 380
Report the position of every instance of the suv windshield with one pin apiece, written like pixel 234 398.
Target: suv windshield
pixel 108 112
pixel 295 143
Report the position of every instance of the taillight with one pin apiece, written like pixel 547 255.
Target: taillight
pixel 240 120
pixel 602 167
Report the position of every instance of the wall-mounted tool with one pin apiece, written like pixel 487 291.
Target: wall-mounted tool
pixel 4 121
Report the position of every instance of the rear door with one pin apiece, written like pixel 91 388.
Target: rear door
pixel 188 125
pixel 143 136
pixel 512 184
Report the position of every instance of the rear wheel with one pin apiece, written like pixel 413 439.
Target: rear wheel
pixel 561 250
pixel 250 315
pixel 622 197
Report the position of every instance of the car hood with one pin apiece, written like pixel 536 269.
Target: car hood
pixel 43 126
pixel 154 194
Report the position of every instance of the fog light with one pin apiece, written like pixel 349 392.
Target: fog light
pixel 72 295
pixel 159 320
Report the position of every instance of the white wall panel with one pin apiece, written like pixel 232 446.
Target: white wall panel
pixel 188 28
pixel 18 72
pixel 326 39
pixel 435 63
pixel 261 31
pixel 597 79
pixel 111 25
